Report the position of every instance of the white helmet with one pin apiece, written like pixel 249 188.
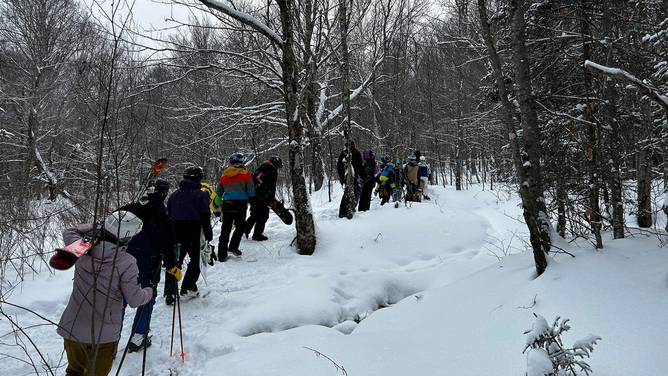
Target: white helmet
pixel 123 225
pixel 422 158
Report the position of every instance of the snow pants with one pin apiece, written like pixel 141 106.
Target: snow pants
pixel 239 221
pixel 365 196
pixel 78 355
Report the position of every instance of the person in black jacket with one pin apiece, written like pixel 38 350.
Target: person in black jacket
pixel 154 240
pixel 370 171
pixel 265 192
pixel 189 209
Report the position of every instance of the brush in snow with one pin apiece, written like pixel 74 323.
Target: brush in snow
pixel 67 256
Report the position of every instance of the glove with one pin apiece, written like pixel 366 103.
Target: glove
pixel 375 192
pixel 213 258
pixel 176 272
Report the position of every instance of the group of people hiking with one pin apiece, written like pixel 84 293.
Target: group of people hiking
pixel 387 180
pixel 121 268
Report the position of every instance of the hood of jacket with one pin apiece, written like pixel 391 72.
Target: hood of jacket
pixel 232 171
pixel 187 184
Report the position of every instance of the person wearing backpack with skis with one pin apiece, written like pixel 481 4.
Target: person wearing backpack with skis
pixel 237 190
pixel 189 210
pixel 386 185
pixel 103 276
pixel 370 171
pixel 265 178
pixel 411 179
pixel 154 240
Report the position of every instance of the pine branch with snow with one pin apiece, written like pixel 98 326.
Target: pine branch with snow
pixel 547 356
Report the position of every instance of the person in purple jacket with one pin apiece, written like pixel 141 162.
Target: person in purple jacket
pixel 91 322
pixel 189 209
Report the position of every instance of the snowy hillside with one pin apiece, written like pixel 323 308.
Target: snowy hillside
pixel 415 290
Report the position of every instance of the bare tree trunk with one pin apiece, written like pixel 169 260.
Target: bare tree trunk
pixel 527 161
pixel 615 179
pixel 348 194
pixel 592 134
pixel 306 239
pixel 645 173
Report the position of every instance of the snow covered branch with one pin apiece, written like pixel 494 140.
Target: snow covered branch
pixel 245 19
pixel 624 76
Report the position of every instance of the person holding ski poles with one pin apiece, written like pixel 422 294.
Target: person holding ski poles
pixel 265 191
pixel 237 190
pixel 154 240
pixel 189 210
pixel 104 275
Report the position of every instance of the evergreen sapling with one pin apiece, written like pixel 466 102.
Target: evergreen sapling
pixel 547 356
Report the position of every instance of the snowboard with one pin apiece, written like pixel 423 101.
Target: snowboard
pixel 65 257
pixel 282 212
pixel 205 259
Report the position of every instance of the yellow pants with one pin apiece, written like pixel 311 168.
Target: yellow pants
pixel 79 356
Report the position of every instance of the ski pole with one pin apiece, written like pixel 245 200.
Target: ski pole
pixel 155 267
pixel 176 291
pixel 183 354
pixel 132 332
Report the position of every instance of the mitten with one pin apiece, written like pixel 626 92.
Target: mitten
pixel 176 272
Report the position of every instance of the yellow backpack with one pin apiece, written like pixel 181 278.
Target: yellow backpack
pixel 216 204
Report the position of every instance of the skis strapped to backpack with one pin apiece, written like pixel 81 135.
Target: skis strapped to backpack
pixel 67 256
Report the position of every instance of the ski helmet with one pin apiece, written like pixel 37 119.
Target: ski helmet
pixel 276 161
pixel 193 173
pixel 159 187
pixel 411 157
pixel 237 159
pixel 122 225
pixel 422 158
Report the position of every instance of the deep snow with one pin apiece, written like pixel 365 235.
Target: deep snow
pixel 416 290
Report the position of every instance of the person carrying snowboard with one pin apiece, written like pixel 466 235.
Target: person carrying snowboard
pixel 154 240
pixel 370 171
pixel 424 172
pixel 236 189
pixel 265 191
pixel 411 179
pixel 189 209
pixel 386 185
pixel 103 276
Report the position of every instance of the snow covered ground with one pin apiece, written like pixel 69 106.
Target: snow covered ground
pixel 416 290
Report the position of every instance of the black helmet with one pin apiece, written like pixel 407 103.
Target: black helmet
pixel 276 161
pixel 161 187
pixel 237 159
pixel 194 173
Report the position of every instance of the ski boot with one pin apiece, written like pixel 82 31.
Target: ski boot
pixel 138 342
pixel 169 299
pixel 259 238
pixel 235 252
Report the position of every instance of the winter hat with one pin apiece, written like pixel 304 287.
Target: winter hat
pixel 194 173
pixel 237 159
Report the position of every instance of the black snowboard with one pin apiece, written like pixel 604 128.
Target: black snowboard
pixel 282 212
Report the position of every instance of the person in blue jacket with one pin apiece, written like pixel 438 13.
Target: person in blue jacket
pixel 154 240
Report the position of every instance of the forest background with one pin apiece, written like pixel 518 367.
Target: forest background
pixel 491 92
